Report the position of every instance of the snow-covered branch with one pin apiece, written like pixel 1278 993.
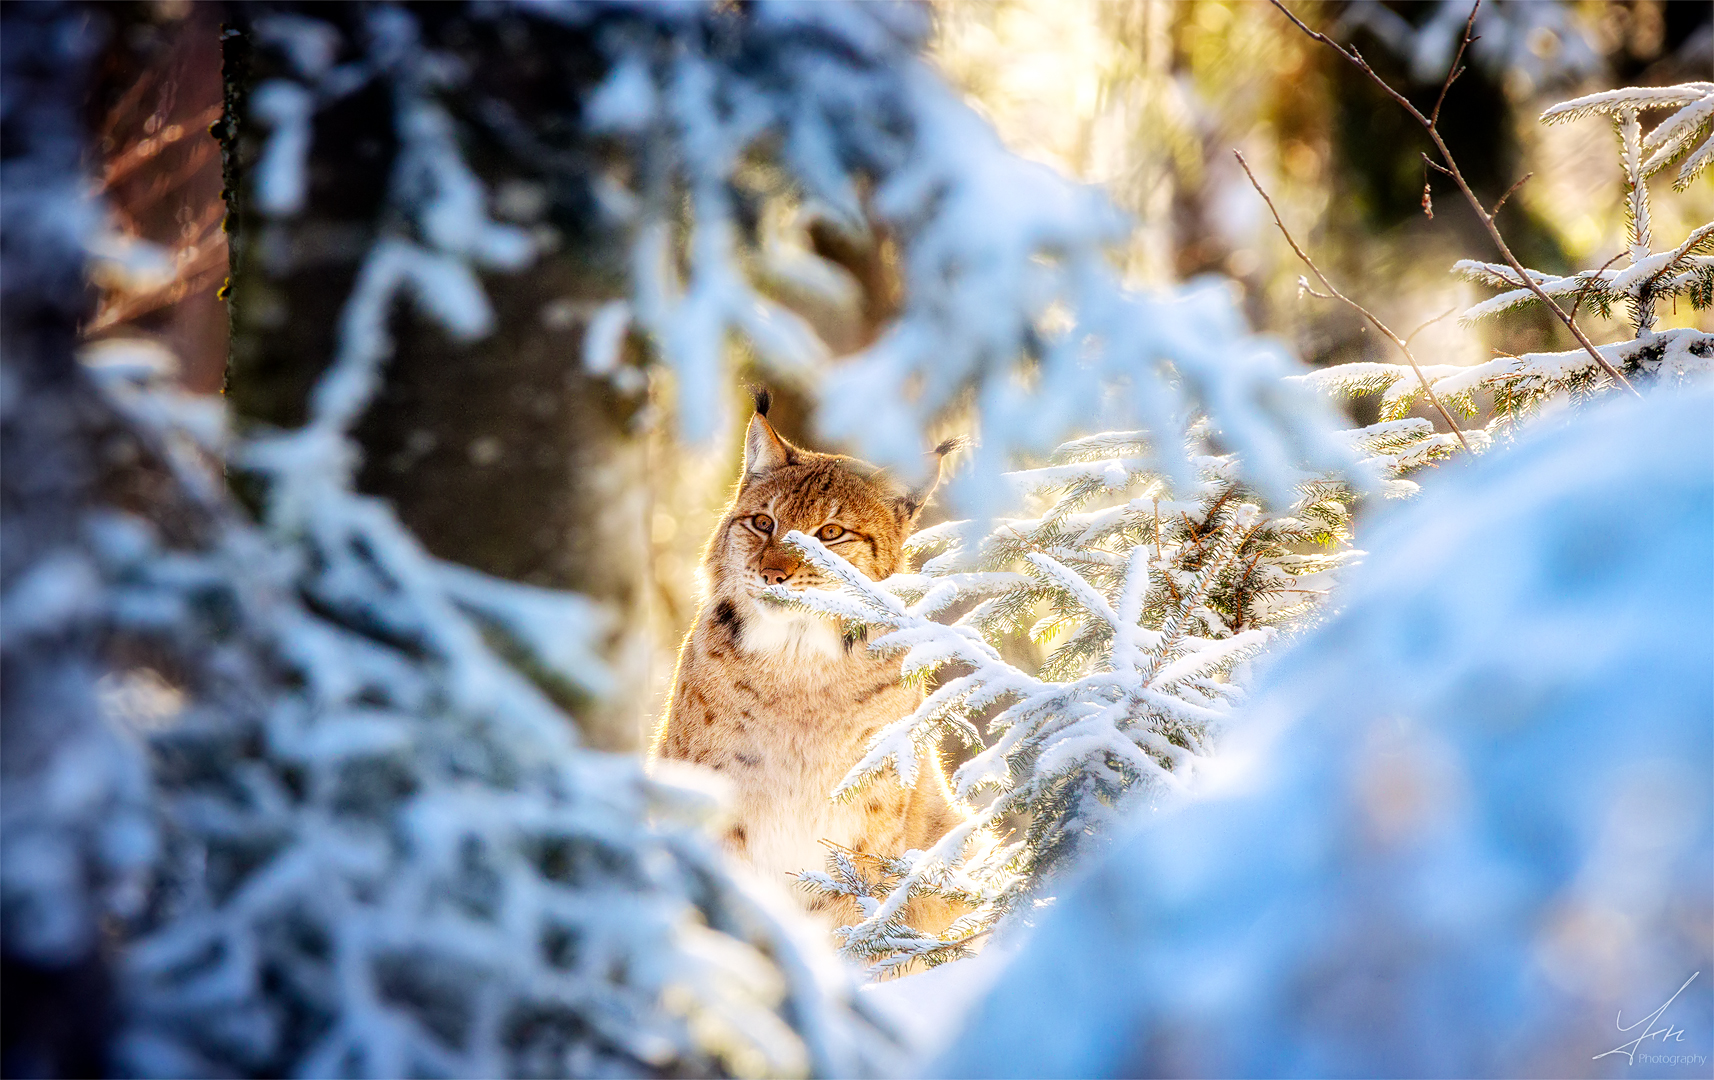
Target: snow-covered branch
pixel 1147 604
pixel 1639 279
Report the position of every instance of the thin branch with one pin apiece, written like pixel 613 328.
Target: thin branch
pixel 1335 294
pixel 1410 337
pixel 1356 58
pixel 1452 170
pixel 1577 300
pixel 1457 68
pixel 1509 192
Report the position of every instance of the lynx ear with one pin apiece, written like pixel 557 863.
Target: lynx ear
pixel 909 505
pixel 764 450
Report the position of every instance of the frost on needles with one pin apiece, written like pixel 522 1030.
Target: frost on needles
pixel 717 137
pixel 339 832
pixel 827 114
pixel 1147 602
pixel 1635 281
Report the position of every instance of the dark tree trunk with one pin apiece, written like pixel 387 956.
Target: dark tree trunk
pixel 500 454
pixel 157 94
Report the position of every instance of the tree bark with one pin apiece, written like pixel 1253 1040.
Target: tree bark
pixel 501 454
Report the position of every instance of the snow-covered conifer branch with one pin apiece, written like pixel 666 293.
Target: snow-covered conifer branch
pixel 1686 131
pixel 399 859
pixel 1147 604
pixel 1650 276
pixel 77 832
pixel 1003 261
pixel 1448 165
pixel 1517 386
pixel 344 834
pixel 1274 903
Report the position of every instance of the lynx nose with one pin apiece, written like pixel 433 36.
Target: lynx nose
pixel 777 566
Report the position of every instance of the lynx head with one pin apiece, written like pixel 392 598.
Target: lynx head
pixel 856 510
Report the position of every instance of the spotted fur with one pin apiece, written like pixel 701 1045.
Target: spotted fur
pixel 781 702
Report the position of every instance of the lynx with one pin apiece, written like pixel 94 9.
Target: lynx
pixel 781 702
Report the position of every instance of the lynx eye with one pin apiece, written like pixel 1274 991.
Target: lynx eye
pixel 830 532
pixel 763 524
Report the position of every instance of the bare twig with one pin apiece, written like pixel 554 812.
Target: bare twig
pixel 1576 301
pixel 1157 530
pixel 1450 167
pixel 1410 337
pixel 1333 293
pixel 1509 193
pixel 1457 67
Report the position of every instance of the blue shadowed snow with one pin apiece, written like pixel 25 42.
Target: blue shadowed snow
pixel 1467 823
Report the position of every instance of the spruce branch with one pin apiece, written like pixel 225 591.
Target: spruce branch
pixel 1152 604
pixel 1701 237
pixel 1686 132
pixel 1594 279
pixel 1449 165
pixel 1333 293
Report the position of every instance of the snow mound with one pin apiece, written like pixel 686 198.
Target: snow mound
pixel 1468 822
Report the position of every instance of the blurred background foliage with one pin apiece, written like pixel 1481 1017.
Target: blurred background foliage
pixel 1145 97
pixel 1150 97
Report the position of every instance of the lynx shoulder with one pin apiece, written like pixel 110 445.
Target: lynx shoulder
pixel 779 701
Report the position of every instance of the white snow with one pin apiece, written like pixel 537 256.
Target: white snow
pixel 1461 826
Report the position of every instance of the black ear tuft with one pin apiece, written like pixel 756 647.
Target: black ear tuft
pixel 950 445
pixel 764 398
